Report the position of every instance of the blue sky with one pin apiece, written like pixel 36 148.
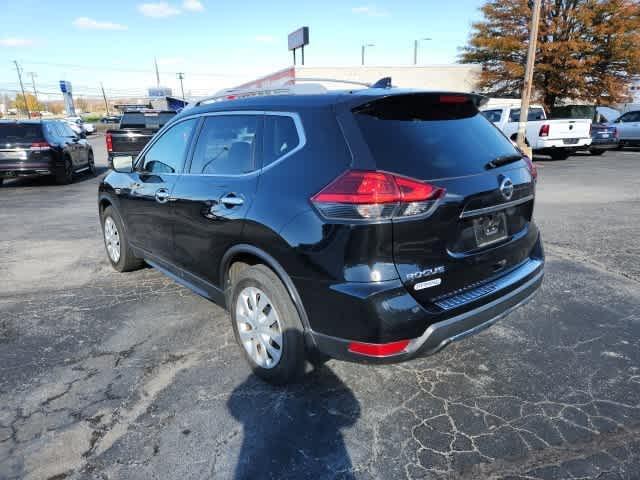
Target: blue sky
pixel 216 43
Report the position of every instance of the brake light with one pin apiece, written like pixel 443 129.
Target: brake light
pixel 533 170
pixel 39 146
pixel 453 99
pixel 109 141
pixel 378 349
pixel 375 195
pixel 544 130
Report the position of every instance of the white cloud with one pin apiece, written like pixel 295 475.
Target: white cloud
pixel 158 10
pixel 370 11
pixel 15 42
pixel 193 5
pixel 264 38
pixel 91 24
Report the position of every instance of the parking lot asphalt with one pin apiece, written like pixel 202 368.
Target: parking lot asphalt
pixel 116 376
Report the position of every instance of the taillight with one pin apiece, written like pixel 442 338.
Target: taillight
pixel 39 146
pixel 453 99
pixel 378 349
pixel 532 168
pixel 544 130
pixel 109 141
pixel 374 195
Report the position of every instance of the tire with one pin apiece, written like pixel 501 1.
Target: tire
pixel 559 155
pixel 125 260
pixel 1 181
pixel 281 323
pixel 92 164
pixel 596 152
pixel 64 174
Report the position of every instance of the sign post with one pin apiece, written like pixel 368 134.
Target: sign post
pixel 65 88
pixel 298 39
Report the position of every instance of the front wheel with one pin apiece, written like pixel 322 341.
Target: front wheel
pixel 267 326
pixel 92 164
pixel 595 151
pixel 116 242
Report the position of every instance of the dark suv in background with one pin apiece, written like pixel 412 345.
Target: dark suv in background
pixel 373 225
pixel 43 147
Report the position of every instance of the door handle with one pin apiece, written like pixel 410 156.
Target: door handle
pixel 230 200
pixel 162 195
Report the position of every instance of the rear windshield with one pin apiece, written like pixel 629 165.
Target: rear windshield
pixel 145 119
pixel 19 132
pixel 533 115
pixel 420 137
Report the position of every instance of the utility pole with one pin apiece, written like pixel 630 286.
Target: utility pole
pixel 155 62
pixel 181 77
pixel 24 97
pixel 106 104
pixel 415 49
pixel 364 46
pixel 35 91
pixel 528 79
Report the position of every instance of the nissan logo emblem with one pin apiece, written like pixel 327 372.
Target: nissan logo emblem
pixel 506 188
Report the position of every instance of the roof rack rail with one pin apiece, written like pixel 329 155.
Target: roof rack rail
pixel 310 88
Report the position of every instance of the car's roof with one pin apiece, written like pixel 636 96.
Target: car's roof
pixel 31 122
pixel 307 101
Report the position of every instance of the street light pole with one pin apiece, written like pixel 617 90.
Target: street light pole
pixel 181 77
pixel 362 50
pixel 528 79
pixel 24 97
pixel 415 49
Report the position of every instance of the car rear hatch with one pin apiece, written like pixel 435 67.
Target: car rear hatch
pixel 129 141
pixel 479 227
pixel 19 142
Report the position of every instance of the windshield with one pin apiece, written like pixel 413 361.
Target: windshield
pixel 145 119
pixel 420 137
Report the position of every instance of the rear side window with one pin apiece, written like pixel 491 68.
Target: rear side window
pixel 226 145
pixel 421 137
pixel 534 114
pixel 167 154
pixel 280 137
pixel 493 115
pixel 20 132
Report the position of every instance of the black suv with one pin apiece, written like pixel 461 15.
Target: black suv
pixel 372 225
pixel 43 147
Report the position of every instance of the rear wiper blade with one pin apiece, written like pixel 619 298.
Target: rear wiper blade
pixel 502 160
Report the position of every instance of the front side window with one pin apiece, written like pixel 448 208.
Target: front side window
pixel 226 145
pixel 167 154
pixel 629 117
pixel 280 137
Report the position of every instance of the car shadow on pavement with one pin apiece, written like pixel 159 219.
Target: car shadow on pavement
pixel 294 431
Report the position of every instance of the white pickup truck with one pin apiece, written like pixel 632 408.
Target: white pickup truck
pixel 558 138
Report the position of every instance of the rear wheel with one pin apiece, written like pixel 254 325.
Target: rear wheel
pixel 92 164
pixel 64 174
pixel 267 326
pixel 559 155
pixel 116 243
pixel 1 181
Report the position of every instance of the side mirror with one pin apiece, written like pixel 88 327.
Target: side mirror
pixel 123 164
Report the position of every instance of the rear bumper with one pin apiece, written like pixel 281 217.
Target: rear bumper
pixel 22 169
pixel 527 278
pixel 549 144
pixel 604 143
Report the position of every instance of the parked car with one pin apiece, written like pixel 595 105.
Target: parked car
pixel 628 126
pixel 43 147
pixel 135 130
pixel 603 135
pixel 110 119
pixel 558 138
pixel 358 225
pixel 79 126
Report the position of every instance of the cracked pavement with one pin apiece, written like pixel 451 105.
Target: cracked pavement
pixel 116 376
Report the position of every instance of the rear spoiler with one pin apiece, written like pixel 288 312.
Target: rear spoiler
pixel 361 104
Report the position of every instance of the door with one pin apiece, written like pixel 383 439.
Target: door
pixel 147 203
pixel 74 147
pixel 212 200
pixel 628 126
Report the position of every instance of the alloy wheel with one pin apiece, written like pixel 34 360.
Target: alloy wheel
pixel 112 239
